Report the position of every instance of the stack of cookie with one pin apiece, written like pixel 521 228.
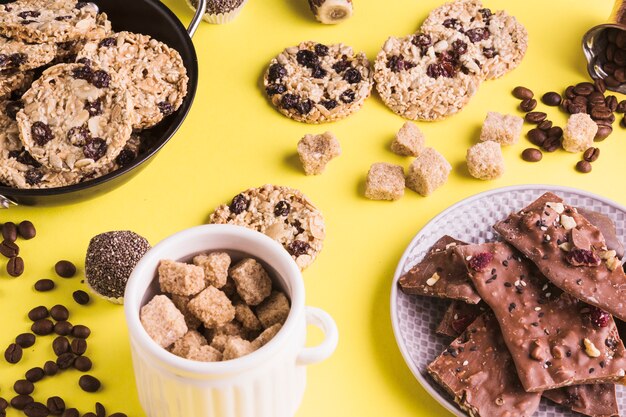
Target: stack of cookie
pixel 93 91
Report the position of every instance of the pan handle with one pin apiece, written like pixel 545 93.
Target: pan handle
pixel 197 18
pixel 5 202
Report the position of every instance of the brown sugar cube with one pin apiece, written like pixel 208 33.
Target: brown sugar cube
pixel 409 140
pixel 429 171
pixel 236 348
pixel 579 133
pixel 267 335
pixel 273 310
pixel 191 340
pixel 384 182
pixel 504 129
pixel 316 151
pixel 180 278
pixel 485 160
pixel 219 342
pixel 245 315
pixel 162 321
pixel 181 302
pixel 230 289
pixel 204 353
pixel 212 307
pixel 215 267
pixel 252 282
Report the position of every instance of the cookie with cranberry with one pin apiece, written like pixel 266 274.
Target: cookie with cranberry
pixel 75 118
pixel 426 77
pixel 315 83
pixel 153 72
pixel 18 55
pixel 284 214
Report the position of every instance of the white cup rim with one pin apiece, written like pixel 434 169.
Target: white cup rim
pixel 143 274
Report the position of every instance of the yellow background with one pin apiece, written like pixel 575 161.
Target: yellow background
pixel 233 139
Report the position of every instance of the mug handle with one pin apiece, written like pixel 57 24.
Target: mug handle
pixel 321 319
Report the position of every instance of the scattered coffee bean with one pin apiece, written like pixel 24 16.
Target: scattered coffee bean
pixel 535 117
pixel 89 383
pixel 20 401
pixel 569 92
pixel 26 230
pixel 575 108
pixel 50 368
pixel 591 155
pixel 537 137
pixel 81 331
pixel 55 405
pixel 79 346
pixel 532 155
pixel 100 410
pixel 24 387
pixel 44 285
pixel 604 131
pixel 59 312
pixel 545 125
pixel 60 345
pixel 83 364
pixel 25 340
pixel 38 313
pixel 551 144
pixel 528 105
pixel 65 269
pixel 9 231
pixel 15 266
pixel 551 99
pixel 70 412
pixel 36 409
pixel 583 166
pixel 42 327
pixel 599 85
pixel 584 89
pixel 621 107
pixel 35 374
pixel 63 328
pixel 555 131
pixel 9 249
pixel 611 103
pixel 3 404
pixel 601 113
pixel 81 297
pixel 13 354
pixel 522 93
pixel 66 360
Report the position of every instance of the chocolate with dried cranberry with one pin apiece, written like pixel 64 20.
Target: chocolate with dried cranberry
pixel 458 316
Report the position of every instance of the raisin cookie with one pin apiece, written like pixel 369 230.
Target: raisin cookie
pixel 155 75
pixel 500 39
pixel 18 55
pixel 282 213
pixel 422 77
pixel 315 83
pixel 40 21
pixel 14 82
pixel 75 117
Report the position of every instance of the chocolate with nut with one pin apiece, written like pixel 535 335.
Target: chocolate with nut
pixel 440 274
pixel 458 317
pixel 606 226
pixel 569 251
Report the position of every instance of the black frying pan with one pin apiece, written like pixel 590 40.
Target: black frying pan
pixel 152 18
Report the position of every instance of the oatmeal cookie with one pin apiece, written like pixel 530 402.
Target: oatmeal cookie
pixel 18 55
pixel 282 213
pixel 315 83
pixel 75 118
pixel 13 82
pixel 40 21
pixel 423 77
pixel 154 73
pixel 500 39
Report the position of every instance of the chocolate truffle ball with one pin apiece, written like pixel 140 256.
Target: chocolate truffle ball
pixel 111 257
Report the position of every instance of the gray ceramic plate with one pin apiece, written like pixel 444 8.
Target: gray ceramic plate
pixel 415 318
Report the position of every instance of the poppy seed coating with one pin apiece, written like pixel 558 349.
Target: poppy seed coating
pixel 111 257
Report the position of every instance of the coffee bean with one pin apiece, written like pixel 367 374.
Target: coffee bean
pixel 44 285
pixel 591 155
pixel 569 92
pixel 13 354
pixel 59 312
pixel 89 383
pixel 60 345
pixel 25 340
pixel 528 105
pixel 38 313
pixel 35 374
pixel 551 144
pixel 584 89
pixel 535 117
pixel 83 364
pixel 20 401
pixel 555 131
pixel 24 387
pixel 100 410
pixel 3 404
pixel 564 106
pixel 551 99
pixel 55 405
pixel 65 269
pixel 118 415
pixel 601 113
pixel 81 297
pixel 70 412
pixel 575 108
pixel 611 81
pixel 63 328
pixel 89 414
pixel 9 249
pixel 599 85
pixel 583 166
pixel 50 368
pixel 621 107
pixel 532 155
pixel 620 75
pixel 537 137
pixel 79 346
pixel 36 409
pixel 622 122
pixel 42 327
pixel 611 103
pixel 15 266
pixel 80 331
pixel 9 231
pixel 66 360
pixel 522 93
pixel 580 100
pixel 545 125
pixel 603 132
pixel 26 230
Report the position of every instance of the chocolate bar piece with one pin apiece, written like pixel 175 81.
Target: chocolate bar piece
pixel 555 340
pixel 606 226
pixel 478 371
pixel 458 316
pixel 591 400
pixel 440 274
pixel 569 251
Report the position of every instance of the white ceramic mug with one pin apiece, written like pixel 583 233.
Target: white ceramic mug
pixel 269 382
